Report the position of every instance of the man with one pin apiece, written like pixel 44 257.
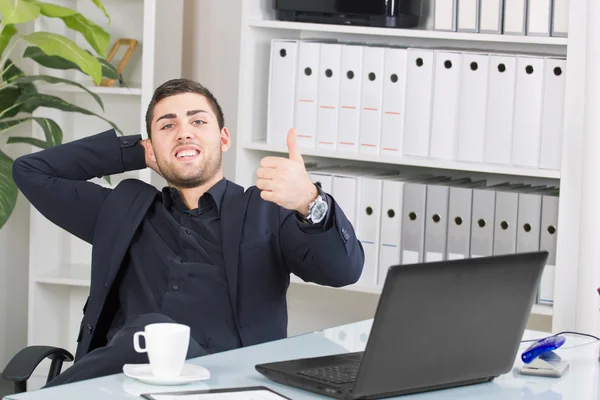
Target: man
pixel 201 252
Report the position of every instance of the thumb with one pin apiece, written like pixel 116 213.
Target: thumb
pixel 293 146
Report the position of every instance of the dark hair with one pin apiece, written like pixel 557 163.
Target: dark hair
pixel 178 86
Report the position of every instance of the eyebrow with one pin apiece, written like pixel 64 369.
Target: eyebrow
pixel 189 113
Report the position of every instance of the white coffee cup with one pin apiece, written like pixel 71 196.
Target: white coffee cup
pixel 166 345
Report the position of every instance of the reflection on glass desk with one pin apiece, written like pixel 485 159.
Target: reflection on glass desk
pixel 236 369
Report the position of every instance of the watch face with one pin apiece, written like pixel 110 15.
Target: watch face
pixel 319 211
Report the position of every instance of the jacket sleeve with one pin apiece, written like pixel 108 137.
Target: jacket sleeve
pixel 54 180
pixel 327 254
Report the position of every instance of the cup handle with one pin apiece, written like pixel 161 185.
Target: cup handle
pixel 136 342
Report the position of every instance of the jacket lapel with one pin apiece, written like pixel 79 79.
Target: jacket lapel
pixel 233 209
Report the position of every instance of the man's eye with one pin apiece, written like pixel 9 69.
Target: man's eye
pixel 167 126
pixel 198 122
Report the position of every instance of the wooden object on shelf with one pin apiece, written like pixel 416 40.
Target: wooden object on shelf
pixel 132 44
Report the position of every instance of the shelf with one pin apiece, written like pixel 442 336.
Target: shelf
pixel 537 309
pixel 542 309
pixel 106 90
pixel 408 33
pixel 416 162
pixel 76 275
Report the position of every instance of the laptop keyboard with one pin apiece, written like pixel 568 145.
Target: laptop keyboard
pixel 337 374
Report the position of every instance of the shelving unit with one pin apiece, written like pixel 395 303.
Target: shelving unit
pixel 59 265
pixel 259 27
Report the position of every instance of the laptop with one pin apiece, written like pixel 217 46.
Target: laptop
pixel 437 325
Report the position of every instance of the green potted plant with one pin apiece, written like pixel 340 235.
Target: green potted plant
pixel 19 95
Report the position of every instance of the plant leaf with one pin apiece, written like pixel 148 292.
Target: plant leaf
pixel 52 131
pixel 97 37
pixel 57 62
pixel 99 4
pixel 57 45
pixel 7 33
pixel 18 12
pixel 8 101
pixel 36 100
pixel 27 140
pixel 8 189
pixel 23 80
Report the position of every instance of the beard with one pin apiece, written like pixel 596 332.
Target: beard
pixel 186 179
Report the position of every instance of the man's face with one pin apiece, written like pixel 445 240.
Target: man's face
pixel 186 140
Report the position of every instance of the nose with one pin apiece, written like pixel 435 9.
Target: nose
pixel 185 134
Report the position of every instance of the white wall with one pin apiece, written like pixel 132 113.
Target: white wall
pixel 211 47
pixel 14 272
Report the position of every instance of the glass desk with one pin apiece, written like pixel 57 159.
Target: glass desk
pixel 236 369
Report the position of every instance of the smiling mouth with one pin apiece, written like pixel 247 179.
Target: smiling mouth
pixel 187 155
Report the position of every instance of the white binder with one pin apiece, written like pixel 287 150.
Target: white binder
pixel 539 17
pixel 529 98
pixel 368 227
pixel 282 86
pixel 460 201
pixel 553 113
pixel 560 18
pixel 394 94
pixel 444 15
pixel 446 104
pixel 344 191
pixel 391 227
pixel 417 113
pixel 472 107
pixel 323 180
pixel 371 100
pixel 549 226
pixel 515 17
pixel 436 223
pixel 468 16
pixel 413 222
pixel 307 93
pixel 528 222
pixel 350 98
pixel 505 227
pixel 490 16
pixel 329 92
pixel 500 109
pixel 482 223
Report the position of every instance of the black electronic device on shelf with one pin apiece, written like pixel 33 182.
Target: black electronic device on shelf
pixel 379 13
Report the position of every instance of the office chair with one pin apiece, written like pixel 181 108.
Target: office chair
pixel 22 365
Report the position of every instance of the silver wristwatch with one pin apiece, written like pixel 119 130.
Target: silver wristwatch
pixel 317 210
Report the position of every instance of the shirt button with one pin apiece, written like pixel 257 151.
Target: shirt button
pixel 189 232
pixel 183 261
pixel 175 287
pixel 89 329
pixel 125 142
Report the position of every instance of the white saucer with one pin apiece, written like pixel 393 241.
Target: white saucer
pixel 143 373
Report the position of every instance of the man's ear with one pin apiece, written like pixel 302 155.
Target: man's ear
pixel 150 150
pixel 225 139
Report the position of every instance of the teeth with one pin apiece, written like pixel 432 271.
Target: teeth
pixel 187 153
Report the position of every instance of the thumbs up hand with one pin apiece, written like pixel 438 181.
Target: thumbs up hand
pixel 284 181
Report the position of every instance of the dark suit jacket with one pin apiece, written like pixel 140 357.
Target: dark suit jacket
pixel 262 241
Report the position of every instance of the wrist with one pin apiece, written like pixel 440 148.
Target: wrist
pixel 311 196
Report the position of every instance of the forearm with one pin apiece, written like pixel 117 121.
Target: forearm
pixel 83 159
pixel 330 255
pixel 55 180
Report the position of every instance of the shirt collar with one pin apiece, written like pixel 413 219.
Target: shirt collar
pixel 172 197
